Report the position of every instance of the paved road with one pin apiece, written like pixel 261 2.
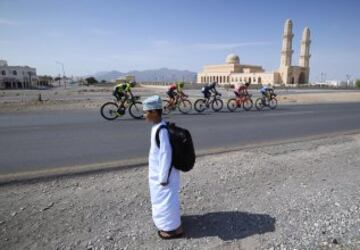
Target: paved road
pixel 69 138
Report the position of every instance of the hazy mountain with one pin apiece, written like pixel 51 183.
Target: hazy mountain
pixel 108 75
pixel 156 75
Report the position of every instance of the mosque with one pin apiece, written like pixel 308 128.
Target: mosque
pixel 233 72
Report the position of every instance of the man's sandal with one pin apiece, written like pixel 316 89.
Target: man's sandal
pixel 168 235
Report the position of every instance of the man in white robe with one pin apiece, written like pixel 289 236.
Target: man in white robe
pixel 164 180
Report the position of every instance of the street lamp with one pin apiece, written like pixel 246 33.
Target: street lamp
pixel 63 70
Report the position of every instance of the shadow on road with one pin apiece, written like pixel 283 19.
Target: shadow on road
pixel 229 225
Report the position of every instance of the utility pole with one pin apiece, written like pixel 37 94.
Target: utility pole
pixel 63 71
pixel 348 76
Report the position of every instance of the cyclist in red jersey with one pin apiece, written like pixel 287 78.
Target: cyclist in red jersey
pixel 174 90
pixel 242 90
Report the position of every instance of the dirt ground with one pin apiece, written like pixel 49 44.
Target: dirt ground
pixel 93 97
pixel 299 195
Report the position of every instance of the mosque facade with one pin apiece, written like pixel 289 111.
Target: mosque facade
pixel 233 72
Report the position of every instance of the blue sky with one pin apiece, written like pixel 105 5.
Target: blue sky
pixel 92 35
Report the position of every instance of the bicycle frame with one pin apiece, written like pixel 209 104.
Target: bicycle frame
pixel 178 98
pixel 266 100
pixel 240 100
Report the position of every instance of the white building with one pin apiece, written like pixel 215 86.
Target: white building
pixel 233 72
pixel 17 76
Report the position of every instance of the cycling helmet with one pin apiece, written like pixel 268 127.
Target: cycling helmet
pixel 132 84
pixel 181 84
pixel 247 84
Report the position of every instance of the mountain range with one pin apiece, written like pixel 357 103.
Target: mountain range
pixel 154 75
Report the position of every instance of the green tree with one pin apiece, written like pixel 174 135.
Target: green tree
pixel 357 83
pixel 91 80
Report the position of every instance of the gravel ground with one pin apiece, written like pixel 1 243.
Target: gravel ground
pixel 300 195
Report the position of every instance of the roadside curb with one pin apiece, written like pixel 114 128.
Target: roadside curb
pixel 87 169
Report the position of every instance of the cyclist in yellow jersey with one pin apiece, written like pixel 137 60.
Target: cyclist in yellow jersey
pixel 122 90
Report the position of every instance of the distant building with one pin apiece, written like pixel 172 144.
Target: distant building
pixel 20 77
pixel 234 72
pixel 336 84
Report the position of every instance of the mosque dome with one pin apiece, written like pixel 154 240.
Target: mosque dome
pixel 232 59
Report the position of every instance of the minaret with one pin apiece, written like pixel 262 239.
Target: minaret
pixel 286 51
pixel 305 49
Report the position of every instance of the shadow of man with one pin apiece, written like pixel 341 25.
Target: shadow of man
pixel 228 225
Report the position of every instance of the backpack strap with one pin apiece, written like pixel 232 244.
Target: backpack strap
pixel 158 143
pixel 157 134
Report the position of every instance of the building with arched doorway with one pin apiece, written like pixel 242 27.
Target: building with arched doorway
pixel 233 72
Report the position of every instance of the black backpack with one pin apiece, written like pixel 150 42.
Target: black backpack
pixel 183 152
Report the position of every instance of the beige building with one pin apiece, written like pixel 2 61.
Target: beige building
pixel 233 72
pixel 17 76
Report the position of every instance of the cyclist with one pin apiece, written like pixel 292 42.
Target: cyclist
pixel 208 89
pixel 123 90
pixel 175 89
pixel 266 92
pixel 242 90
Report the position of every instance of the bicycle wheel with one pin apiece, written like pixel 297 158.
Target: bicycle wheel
pixel 259 104
pixel 185 106
pixel 217 105
pixel 248 104
pixel 273 103
pixel 136 110
pixel 166 107
pixel 109 111
pixel 200 105
pixel 232 105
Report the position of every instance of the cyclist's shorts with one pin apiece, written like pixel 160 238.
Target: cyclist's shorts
pixel 118 94
pixel 207 94
pixel 171 93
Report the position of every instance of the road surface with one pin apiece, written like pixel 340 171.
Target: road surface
pixel 36 141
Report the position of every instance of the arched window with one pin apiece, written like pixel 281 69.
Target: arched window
pixel 227 79
pixel 14 73
pixel 3 73
pixel 259 80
